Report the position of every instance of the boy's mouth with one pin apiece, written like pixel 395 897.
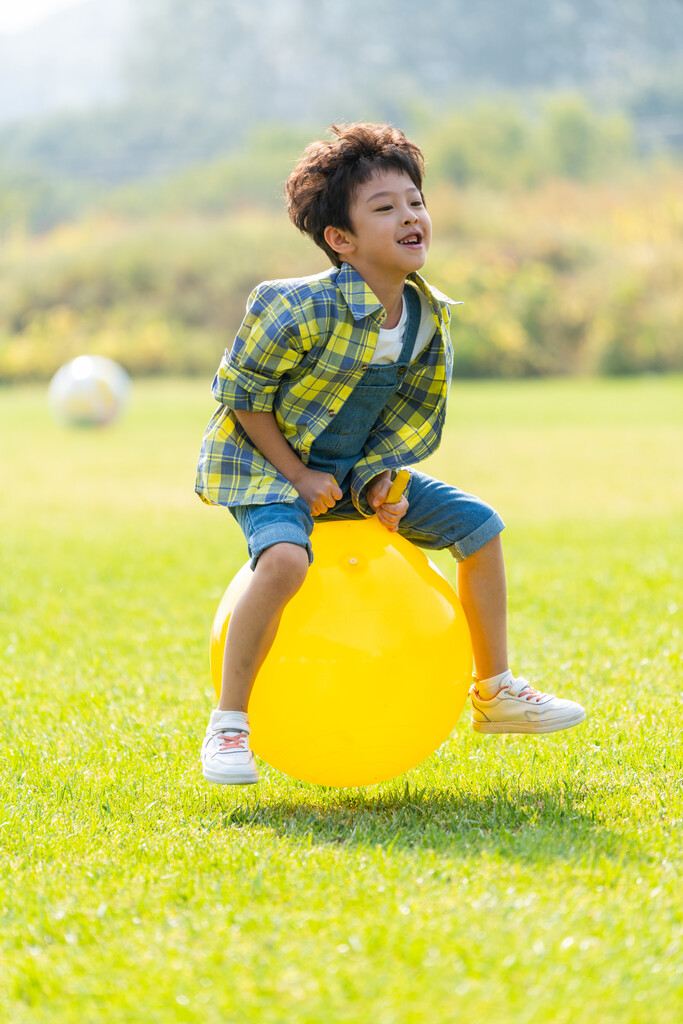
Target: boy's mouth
pixel 414 239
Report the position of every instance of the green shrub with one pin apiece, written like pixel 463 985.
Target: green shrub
pixel 566 278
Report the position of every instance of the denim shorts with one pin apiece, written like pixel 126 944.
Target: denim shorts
pixel 439 516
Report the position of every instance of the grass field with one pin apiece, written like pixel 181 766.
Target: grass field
pixel 506 879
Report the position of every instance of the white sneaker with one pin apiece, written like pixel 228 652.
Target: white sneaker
pixel 226 757
pixel 518 707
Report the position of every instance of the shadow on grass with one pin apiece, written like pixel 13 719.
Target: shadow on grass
pixel 535 824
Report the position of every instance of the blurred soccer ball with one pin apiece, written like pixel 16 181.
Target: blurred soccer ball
pixel 90 391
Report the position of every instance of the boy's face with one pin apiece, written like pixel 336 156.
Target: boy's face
pixel 392 230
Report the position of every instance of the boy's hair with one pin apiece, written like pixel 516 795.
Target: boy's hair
pixel 320 189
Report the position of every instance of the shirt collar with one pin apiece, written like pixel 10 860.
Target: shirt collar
pixel 436 298
pixel 358 295
pixel 362 301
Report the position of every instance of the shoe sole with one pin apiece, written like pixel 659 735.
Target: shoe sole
pixel 232 780
pixel 530 727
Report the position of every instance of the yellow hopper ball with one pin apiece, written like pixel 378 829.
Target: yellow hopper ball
pixel 371 665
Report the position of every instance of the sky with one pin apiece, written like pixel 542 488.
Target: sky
pixel 16 15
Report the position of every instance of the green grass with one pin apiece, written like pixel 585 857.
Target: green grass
pixel 507 879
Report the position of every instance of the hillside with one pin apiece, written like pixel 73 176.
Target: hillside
pixel 188 81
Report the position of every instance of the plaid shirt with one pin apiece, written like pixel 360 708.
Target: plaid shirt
pixel 302 347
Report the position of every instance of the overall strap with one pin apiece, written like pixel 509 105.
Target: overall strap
pixel 412 325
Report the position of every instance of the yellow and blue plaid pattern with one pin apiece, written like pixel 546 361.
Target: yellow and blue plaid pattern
pixel 302 347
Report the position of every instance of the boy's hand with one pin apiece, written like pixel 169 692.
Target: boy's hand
pixel 388 515
pixel 320 491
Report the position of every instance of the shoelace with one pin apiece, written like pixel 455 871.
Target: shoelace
pixel 233 741
pixel 521 687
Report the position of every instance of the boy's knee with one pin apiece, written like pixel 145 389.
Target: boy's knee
pixel 285 565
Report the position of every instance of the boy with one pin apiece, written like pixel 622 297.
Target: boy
pixel 333 382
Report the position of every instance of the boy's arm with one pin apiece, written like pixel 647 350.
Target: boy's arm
pixel 320 491
pixel 268 345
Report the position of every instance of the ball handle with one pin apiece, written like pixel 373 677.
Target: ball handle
pixel 398 486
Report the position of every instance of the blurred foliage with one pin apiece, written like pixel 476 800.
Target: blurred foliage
pixel 496 144
pixel 568 278
pixel 252 176
pixel 566 248
pixel 161 295
pixel 30 201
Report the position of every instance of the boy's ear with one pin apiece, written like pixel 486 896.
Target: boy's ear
pixel 338 240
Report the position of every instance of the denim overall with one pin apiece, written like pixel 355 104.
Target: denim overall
pixel 439 515
pixel 339 447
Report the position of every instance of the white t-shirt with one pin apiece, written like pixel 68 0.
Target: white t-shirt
pixel 390 340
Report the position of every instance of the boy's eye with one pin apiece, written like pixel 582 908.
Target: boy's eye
pixel 383 209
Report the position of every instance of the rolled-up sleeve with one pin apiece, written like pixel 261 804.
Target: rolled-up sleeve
pixel 267 346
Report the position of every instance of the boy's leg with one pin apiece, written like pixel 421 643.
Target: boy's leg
pixel 278 543
pixel 279 573
pixel 483 594
pixel 440 516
